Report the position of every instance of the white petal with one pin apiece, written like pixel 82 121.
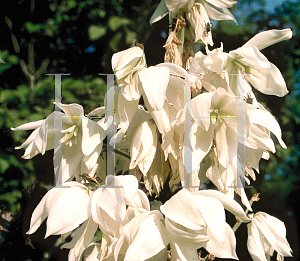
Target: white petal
pixel 175 92
pixel 265 119
pixel 147 246
pixel 272 228
pixel 132 90
pixel 224 249
pixel 92 135
pixel 200 110
pixel 112 202
pixel 218 13
pixel 124 61
pixel 185 237
pixel 68 210
pixel 98 112
pixel 160 12
pixel 30 125
pixel 126 111
pixel 67 161
pixel 141 200
pixel 140 145
pixel 30 139
pixel 182 209
pixel 268 81
pixel 229 204
pixel 83 237
pixel 201 142
pixel 129 187
pixel 41 137
pixel 213 213
pixel 39 214
pixel 226 141
pixel 258 139
pixel 222 4
pixel 155 81
pixel 74 110
pixel 255 243
pixel 270 37
pixel 252 56
pixel 181 253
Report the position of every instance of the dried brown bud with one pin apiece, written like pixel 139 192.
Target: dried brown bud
pixel 255 197
pixel 139 45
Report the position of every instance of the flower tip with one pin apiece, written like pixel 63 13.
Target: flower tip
pixel 12 128
pixel 255 197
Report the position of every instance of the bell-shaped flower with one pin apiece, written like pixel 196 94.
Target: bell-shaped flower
pixel 80 143
pixel 158 173
pixel 143 146
pixel 66 206
pixel 266 234
pixel 216 10
pixel 215 116
pixel 197 13
pixel 145 233
pixel 248 60
pixel 126 63
pixel 108 204
pixel 195 220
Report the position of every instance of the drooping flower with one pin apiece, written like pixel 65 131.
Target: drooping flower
pixel 266 234
pixel 65 206
pixel 109 203
pixel 144 238
pixel 195 220
pixel 221 69
pixel 197 13
pixel 77 150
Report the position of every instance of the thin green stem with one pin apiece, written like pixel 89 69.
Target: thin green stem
pixel 118 152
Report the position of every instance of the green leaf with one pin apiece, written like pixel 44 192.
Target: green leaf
pixel 113 43
pixel 4 67
pixel 6 95
pixel 13 59
pixel 96 32
pixel 31 28
pixel 72 4
pixel 115 22
pixel 101 13
pixel 4 165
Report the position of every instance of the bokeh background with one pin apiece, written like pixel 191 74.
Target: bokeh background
pixel 79 38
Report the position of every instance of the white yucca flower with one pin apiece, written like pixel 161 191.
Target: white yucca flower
pixel 266 234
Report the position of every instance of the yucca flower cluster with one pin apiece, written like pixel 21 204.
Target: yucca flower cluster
pixel 177 124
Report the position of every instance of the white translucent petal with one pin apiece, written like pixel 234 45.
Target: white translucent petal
pixel 68 210
pixel 112 202
pixel 229 204
pixel 29 126
pixel 270 37
pixel 147 246
pixel 92 135
pixel 265 119
pixel 224 249
pixel 182 209
pixel 200 110
pixel 213 213
pixel 155 81
pixel 160 12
